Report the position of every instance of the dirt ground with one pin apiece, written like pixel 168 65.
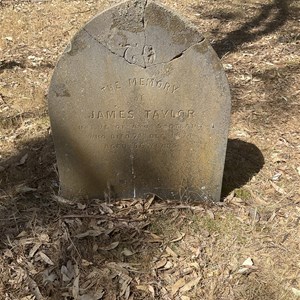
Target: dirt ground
pixel 246 247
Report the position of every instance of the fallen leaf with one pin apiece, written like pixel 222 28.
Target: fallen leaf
pixel 34 249
pixel 177 285
pixel 44 238
pixel 45 258
pixel 168 265
pixel 85 263
pixel 66 295
pixel 194 265
pixel 296 292
pixel 152 291
pixel 161 263
pixel 257 199
pixel 229 197
pixel 272 217
pixel 95 296
pixel 276 176
pixel 254 214
pixel 125 281
pixel 178 238
pixel 68 272
pixel 49 276
pixel 8 253
pixel 75 287
pixel 121 268
pixel 62 200
pixel 142 288
pixel 127 292
pixel 31 268
pixel 210 214
pixel 127 252
pixel 171 252
pixel 110 247
pixel 277 188
pixel 99 293
pixel 247 267
pixel 227 66
pixel 35 289
pixel 24 189
pixel 187 287
pixel 29 297
pixel 87 297
pixel 27 241
pixel 186 271
pixel 19 276
pixel 104 208
pixel 22 234
pixel 139 207
pixel 236 201
pixel 149 202
pixel 156 238
pixel 81 206
pixel 65 277
pixel 23 160
pixel 248 262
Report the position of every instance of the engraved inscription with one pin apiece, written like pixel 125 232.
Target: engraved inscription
pixel 97 136
pixel 148 114
pixel 147 82
pixel 111 87
pixel 136 136
pixel 128 127
pixel 163 114
pixel 152 82
pixel 112 114
pixel 146 146
pixel 149 54
pixel 136 54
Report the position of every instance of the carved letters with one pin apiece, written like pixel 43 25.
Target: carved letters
pixel 143 82
pixel 136 53
pixel 147 114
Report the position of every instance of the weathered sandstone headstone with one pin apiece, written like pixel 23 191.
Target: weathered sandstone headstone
pixel 139 103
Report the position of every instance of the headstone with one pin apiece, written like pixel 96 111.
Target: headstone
pixel 139 103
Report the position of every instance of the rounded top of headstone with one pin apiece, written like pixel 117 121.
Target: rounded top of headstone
pixel 135 30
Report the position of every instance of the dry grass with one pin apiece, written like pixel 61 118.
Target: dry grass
pixel 150 249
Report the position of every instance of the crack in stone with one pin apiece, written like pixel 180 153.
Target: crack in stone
pixel 177 56
pixel 145 63
pixel 95 39
pixel 144 26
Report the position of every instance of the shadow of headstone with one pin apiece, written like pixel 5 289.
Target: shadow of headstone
pixel 243 161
